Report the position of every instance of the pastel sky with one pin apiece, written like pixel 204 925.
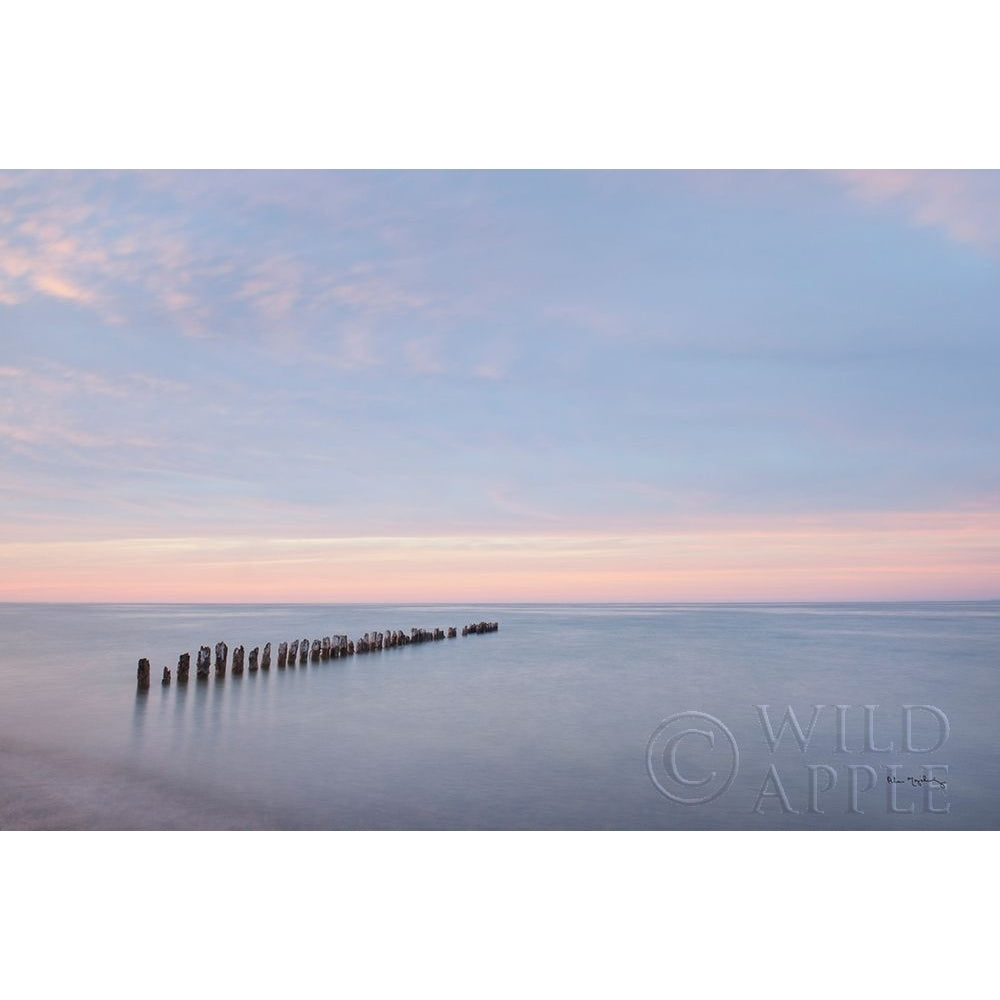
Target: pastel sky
pixel 476 386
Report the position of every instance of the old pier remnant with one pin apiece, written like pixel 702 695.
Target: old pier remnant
pixel 327 648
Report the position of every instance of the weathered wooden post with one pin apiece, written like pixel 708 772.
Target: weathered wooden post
pixel 142 674
pixel 253 659
pixel 282 653
pixel 303 651
pixel 183 666
pixel 221 659
pixel 293 652
pixel 316 648
pixel 325 650
pixel 166 677
pixel 265 660
pixel 204 662
pixel 238 660
pixel 452 633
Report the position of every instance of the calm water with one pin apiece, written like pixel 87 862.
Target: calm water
pixel 550 723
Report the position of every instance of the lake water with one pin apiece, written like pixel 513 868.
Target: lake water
pixel 568 717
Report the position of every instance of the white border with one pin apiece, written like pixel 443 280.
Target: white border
pixel 542 85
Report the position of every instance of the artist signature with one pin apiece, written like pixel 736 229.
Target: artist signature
pixel 916 782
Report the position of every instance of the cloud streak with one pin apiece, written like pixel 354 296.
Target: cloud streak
pixel 928 555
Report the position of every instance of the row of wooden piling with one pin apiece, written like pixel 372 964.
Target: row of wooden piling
pixel 329 647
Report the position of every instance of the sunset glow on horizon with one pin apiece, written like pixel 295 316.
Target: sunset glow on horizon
pixel 729 564
pixel 474 387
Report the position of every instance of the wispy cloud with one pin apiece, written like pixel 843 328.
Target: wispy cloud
pixel 51 405
pixel 373 293
pixel 61 288
pixel 61 238
pixel 965 205
pixel 55 379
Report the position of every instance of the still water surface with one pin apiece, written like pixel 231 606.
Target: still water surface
pixel 545 724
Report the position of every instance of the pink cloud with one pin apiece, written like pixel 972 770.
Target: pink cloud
pixel 62 288
pixel 965 205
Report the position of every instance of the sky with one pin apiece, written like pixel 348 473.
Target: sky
pixel 499 386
